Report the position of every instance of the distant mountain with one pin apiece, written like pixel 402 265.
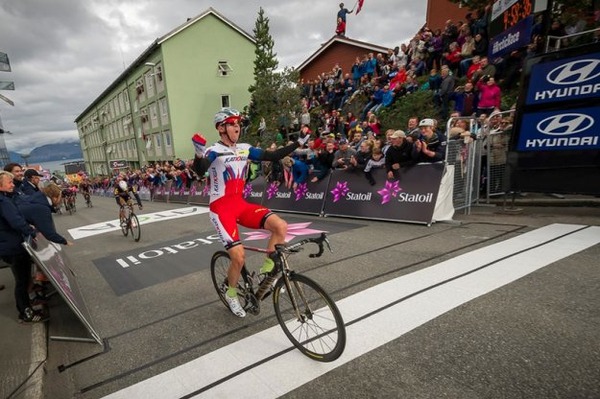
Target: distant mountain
pixel 50 152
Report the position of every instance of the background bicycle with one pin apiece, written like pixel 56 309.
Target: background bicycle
pixel 88 199
pixel 306 313
pixel 69 201
pixel 129 221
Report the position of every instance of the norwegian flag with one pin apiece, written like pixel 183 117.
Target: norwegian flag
pixel 360 4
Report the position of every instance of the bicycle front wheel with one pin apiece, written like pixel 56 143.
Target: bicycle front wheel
pixel 123 223
pixel 134 226
pixel 309 318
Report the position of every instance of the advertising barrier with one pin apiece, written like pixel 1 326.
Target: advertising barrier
pixel 178 195
pixel 199 194
pixel 304 198
pixel 161 193
pixel 413 198
pixel 49 257
pixel 556 143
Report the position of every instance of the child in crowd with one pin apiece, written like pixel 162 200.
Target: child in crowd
pixel 377 161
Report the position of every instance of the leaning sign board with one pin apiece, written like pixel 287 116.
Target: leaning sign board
pixel 53 262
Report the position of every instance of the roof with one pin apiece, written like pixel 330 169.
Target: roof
pixel 344 40
pixel 156 44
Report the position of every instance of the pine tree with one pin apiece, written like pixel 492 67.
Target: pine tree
pixel 274 95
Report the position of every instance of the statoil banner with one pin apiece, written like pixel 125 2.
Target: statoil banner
pixel 411 198
pixel 199 193
pixel 307 197
pixel 254 190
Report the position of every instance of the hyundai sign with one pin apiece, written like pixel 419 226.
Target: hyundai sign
pixel 565 80
pixel 572 129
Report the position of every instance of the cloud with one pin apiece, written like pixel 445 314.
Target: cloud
pixel 64 53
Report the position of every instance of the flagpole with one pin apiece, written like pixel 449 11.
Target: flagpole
pixel 355 4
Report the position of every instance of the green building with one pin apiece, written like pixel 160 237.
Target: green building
pixel 171 91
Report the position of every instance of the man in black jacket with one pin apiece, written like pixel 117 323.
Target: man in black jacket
pixel 31 182
pixel 398 154
pixel 431 146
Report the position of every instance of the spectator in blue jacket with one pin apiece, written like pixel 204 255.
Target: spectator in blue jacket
pixel 387 99
pixel 13 229
pixel 376 98
pixel 370 65
pixel 465 99
pixel 31 182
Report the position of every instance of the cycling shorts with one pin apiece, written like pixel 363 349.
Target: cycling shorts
pixel 227 212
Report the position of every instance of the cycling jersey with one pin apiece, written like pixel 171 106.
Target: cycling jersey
pixel 85 187
pixel 227 167
pixel 126 194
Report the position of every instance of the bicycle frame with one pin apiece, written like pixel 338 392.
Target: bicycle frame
pixel 126 215
pixel 284 269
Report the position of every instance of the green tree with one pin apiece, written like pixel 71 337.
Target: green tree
pixel 274 95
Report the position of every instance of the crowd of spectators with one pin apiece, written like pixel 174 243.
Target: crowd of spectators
pixel 448 62
pixel 451 63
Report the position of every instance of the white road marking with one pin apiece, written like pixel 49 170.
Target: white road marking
pixel 113 225
pixel 415 299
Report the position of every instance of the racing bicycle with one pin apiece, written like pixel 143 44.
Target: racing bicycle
pixel 129 221
pixel 306 313
pixel 88 199
pixel 69 201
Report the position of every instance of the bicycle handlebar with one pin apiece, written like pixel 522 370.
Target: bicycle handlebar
pixel 296 247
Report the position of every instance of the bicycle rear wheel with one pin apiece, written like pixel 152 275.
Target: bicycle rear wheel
pixel 309 318
pixel 134 226
pixel 219 265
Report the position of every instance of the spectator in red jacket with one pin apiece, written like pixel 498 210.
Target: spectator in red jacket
pixel 490 95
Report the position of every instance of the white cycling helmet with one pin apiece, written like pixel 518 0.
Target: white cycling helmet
pixel 123 185
pixel 227 115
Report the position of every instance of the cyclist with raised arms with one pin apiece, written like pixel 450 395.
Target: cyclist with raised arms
pixel 123 193
pixel 227 164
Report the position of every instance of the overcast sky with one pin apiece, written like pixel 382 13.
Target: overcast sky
pixel 64 53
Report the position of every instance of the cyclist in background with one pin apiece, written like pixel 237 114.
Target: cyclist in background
pixel 123 193
pixel 227 164
pixel 85 189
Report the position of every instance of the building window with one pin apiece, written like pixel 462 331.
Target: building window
pixel 223 68
pixel 164 108
pixel 225 100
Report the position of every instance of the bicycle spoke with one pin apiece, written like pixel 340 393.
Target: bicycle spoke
pixel 310 318
pixel 134 226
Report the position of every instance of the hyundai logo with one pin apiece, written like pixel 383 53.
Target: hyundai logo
pixel 565 124
pixel 575 72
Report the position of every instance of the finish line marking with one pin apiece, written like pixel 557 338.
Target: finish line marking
pixel 240 370
pixel 146 218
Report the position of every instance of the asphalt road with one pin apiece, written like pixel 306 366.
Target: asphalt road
pixel 515 333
